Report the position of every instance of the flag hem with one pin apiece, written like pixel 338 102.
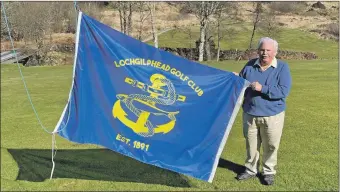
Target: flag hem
pixel 74 70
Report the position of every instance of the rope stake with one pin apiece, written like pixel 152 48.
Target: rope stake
pixel 54 146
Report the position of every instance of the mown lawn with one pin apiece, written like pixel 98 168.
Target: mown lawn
pixel 308 155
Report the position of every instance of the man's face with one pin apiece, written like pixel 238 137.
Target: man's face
pixel 266 52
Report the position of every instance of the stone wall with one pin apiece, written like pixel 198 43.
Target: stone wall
pixel 231 54
pixel 234 54
pixel 60 53
pixel 64 48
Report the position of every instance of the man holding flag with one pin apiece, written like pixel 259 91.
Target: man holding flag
pixel 264 109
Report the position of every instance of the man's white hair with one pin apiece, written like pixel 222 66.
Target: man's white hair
pixel 263 39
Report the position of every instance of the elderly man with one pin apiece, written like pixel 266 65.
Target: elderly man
pixel 264 109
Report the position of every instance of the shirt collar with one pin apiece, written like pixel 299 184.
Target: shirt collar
pixel 273 63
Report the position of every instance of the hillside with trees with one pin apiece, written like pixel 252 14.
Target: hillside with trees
pixel 49 27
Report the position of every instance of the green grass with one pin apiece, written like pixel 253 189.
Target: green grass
pixel 308 154
pixel 288 39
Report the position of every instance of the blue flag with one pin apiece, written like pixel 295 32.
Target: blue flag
pixel 148 104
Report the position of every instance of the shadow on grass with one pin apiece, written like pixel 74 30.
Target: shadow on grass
pixel 236 168
pixel 91 164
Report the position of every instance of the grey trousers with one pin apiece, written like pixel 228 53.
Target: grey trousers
pixel 265 130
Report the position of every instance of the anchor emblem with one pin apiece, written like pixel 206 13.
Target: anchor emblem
pixel 158 96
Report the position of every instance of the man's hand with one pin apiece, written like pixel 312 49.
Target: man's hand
pixel 235 73
pixel 256 86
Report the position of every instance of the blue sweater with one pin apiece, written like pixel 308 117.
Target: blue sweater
pixel 276 84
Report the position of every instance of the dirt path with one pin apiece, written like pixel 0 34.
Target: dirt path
pixel 163 31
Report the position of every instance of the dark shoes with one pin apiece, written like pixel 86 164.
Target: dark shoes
pixel 244 176
pixel 268 179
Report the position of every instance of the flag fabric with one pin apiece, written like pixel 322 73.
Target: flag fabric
pixel 148 104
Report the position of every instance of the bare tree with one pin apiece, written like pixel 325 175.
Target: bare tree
pixel 10 8
pixel 129 23
pixel 143 15
pixel 203 11
pixel 34 28
pixel 225 12
pixel 34 23
pixel 125 10
pixel 189 32
pixel 152 8
pixel 220 35
pixel 208 38
pixel 269 24
pixel 257 11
